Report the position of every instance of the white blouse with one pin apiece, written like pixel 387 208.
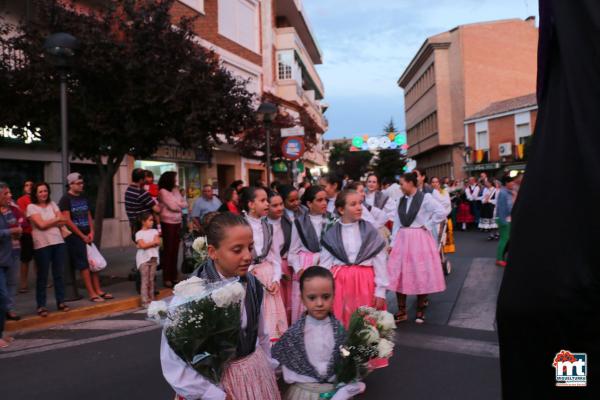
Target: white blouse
pixel 487 196
pixel 352 242
pixel 331 205
pixel 190 384
pixel 430 214
pixel 278 238
pixel 297 246
pixel 375 216
pixel 290 214
pixel 273 256
pixel 444 200
pixel 389 208
pixel 319 343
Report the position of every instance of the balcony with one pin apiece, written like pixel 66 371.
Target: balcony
pixel 288 39
pixel 290 14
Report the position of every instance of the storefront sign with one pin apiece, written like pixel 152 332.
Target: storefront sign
pixel 177 153
pixel 293 131
pixel 481 167
pixel 292 148
pixel 29 136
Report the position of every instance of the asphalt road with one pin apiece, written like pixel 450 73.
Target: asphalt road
pixel 453 356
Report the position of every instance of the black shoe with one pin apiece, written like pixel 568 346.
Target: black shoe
pixel 12 316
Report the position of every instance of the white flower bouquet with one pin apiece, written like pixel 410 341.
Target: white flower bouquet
pixel 202 323
pixel 195 252
pixel 370 336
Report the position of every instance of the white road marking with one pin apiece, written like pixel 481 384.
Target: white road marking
pixel 80 342
pixel 479 348
pixel 107 325
pixel 24 344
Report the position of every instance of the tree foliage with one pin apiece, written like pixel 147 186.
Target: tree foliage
pixel 389 163
pixel 135 82
pixel 342 161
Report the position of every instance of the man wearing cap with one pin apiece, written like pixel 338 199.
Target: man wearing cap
pixel 75 208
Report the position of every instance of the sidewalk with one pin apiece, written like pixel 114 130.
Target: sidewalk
pixel 115 278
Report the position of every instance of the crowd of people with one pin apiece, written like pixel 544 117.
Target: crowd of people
pixel 35 228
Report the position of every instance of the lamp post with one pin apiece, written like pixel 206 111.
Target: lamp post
pixel 60 49
pixel 266 114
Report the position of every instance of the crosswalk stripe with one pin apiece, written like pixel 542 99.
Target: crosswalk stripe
pixel 107 325
pixel 24 344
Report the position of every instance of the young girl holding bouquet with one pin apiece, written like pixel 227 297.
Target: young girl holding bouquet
pixel 306 241
pixel 355 253
pixel 309 350
pixel 282 235
pixel 251 375
pixel 266 263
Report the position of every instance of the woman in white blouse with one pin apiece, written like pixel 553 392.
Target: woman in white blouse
pixel 414 265
pixel 443 197
pixel 376 198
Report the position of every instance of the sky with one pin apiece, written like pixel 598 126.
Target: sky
pixel 367 44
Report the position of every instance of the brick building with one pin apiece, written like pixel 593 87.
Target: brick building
pixel 269 43
pixel 497 137
pixel 456 74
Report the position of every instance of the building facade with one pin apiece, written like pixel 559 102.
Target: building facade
pixel 457 73
pixel 497 138
pixel 268 43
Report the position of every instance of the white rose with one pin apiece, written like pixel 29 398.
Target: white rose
pixel 199 244
pixel 371 335
pixel 228 295
pixel 157 309
pixel 385 348
pixel 386 320
pixel 191 287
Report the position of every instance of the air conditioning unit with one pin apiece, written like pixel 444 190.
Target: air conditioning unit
pixel 505 149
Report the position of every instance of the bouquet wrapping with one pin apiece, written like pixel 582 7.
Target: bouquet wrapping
pixel 202 323
pixel 370 336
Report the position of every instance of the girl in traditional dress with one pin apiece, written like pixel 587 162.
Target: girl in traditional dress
pixel 306 241
pixel 266 263
pixel 282 238
pixel 414 266
pixel 291 201
pixel 251 375
pixel 374 215
pixel 376 198
pixel 332 185
pixel 443 197
pixel 463 214
pixel 488 204
pixel 309 351
pixel 355 253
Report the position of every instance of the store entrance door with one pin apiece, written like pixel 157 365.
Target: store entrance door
pixel 255 175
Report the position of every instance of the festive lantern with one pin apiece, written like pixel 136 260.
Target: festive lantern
pixel 357 142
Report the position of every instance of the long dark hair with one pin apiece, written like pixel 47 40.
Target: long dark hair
pixel 34 198
pixel 310 194
pixel 167 180
pixel 248 194
pixel 228 194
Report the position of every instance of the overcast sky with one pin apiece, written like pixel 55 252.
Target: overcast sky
pixel 366 45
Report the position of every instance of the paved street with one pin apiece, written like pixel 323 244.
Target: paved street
pixel 453 356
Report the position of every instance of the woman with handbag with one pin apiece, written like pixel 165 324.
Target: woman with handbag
pixel 49 246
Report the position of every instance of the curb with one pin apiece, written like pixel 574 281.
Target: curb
pixel 35 322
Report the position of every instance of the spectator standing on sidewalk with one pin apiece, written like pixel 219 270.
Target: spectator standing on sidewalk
pixel 138 200
pixel 147 257
pixel 49 246
pixel 149 185
pixel 503 210
pixel 171 214
pixel 231 200
pixel 76 210
pixel 205 204
pixel 26 239
pixel 15 219
pixel 7 235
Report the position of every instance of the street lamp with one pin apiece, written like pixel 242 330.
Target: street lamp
pixel 60 49
pixel 266 114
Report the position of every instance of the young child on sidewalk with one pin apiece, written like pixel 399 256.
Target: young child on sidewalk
pixel 309 351
pixel 148 242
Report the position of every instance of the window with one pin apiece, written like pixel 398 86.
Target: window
pixel 197 5
pixel 238 21
pixel 284 65
pixel 482 137
pixel 522 127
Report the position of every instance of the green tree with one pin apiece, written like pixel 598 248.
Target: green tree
pixel 342 161
pixel 389 162
pixel 136 82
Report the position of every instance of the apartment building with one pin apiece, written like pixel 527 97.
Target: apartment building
pixel 456 74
